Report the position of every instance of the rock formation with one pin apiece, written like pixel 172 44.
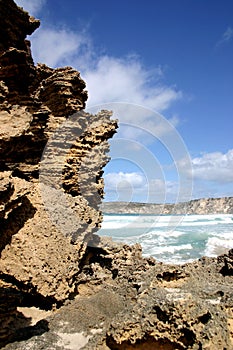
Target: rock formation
pixel 61 285
pixel 126 302
pixel 37 256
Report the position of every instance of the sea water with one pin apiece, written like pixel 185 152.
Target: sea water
pixel 172 239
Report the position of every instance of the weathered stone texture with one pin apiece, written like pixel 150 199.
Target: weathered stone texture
pixel 36 255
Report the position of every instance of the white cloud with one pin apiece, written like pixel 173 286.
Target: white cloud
pixel 124 181
pixel 124 186
pixel 59 47
pixel 109 79
pixel 126 80
pixel 216 166
pixel 161 191
pixel 34 7
pixel 113 79
pixel 133 186
pixel 226 37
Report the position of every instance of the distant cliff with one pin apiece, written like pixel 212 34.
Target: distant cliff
pixel 197 206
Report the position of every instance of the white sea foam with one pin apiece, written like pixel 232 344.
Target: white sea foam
pixel 157 250
pixel 160 233
pixel 174 239
pixel 216 246
pixel 156 221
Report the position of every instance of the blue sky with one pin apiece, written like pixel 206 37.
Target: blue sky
pixel 173 57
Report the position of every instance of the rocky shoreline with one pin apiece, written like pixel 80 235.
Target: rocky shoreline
pixel 126 302
pixel 61 285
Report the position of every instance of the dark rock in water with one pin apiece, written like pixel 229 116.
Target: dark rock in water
pixel 62 286
pixel 227 269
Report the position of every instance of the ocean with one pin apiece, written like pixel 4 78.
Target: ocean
pixel 175 239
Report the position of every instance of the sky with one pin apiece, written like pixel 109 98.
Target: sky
pixel 165 69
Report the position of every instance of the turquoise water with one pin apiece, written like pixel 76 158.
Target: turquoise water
pixel 172 239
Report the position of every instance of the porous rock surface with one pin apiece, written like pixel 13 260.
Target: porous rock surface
pixel 36 255
pixel 126 302
pixel 61 285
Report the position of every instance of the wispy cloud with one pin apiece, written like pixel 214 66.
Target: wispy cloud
pixel 124 186
pixel 109 79
pixel 226 37
pixel 60 47
pixel 127 80
pixel 34 7
pixel 133 186
pixel 124 180
pixel 216 167
pixel 212 173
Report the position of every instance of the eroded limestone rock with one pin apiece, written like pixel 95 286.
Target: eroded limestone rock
pixel 124 301
pixel 40 247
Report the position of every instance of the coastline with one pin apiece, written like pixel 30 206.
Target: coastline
pixel 174 239
pixel 223 205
